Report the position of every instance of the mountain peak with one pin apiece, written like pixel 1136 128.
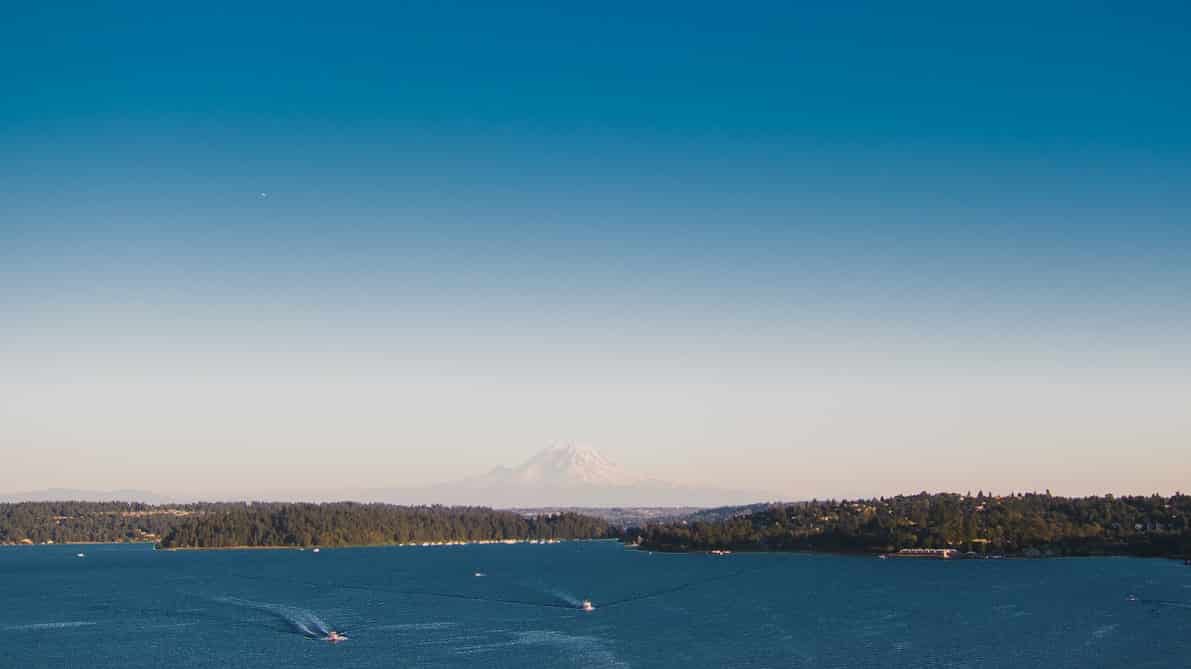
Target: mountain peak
pixel 571 456
pixel 573 476
pixel 571 465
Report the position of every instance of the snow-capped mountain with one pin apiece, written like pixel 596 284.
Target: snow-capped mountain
pixel 566 476
pixel 574 476
pixel 562 466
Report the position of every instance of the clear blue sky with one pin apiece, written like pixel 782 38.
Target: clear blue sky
pixel 810 251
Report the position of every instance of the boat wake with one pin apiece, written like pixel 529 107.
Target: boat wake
pixel 596 650
pixel 31 627
pixel 1162 602
pixel 299 620
pixel 678 588
pixel 565 597
pixel 561 599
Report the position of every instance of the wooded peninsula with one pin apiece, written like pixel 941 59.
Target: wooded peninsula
pixel 228 525
pixel 1020 525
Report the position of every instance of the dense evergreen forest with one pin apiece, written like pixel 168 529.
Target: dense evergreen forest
pixel 1029 524
pixel 79 522
pixel 350 524
pixel 214 525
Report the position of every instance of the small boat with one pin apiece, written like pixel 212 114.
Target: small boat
pixel 479 573
pixel 334 637
pixel 81 555
pixel 314 551
pixel 586 605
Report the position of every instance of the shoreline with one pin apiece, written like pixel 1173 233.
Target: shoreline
pixel 417 544
pixel 638 548
pixel 80 543
pixel 294 547
pixel 878 555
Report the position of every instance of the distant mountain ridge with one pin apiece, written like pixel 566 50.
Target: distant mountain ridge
pixel 576 476
pixel 562 466
pixel 564 476
pixel 77 495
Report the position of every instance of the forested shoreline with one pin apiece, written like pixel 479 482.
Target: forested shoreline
pixel 350 524
pixel 1025 525
pixel 89 522
pixel 242 524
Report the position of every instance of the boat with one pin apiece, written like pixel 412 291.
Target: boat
pixel 586 605
pixel 81 555
pixel 314 551
pixel 334 637
pixel 479 573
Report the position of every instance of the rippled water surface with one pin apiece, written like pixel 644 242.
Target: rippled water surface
pixel 131 606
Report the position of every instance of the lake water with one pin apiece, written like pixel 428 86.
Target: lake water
pixel 130 606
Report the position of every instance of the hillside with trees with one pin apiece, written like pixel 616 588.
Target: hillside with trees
pixel 87 522
pixel 351 524
pixel 1025 524
pixel 217 525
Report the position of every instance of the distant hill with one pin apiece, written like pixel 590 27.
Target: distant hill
pixel 76 495
pixel 722 513
pixel 640 516
pixel 632 516
pixel 1029 525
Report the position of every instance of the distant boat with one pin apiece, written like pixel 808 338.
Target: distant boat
pixel 479 573
pixel 586 606
pixel 81 555
pixel 314 551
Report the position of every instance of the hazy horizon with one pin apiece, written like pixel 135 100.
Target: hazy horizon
pixel 811 252
pixel 455 492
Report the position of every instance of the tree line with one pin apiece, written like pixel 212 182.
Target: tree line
pixel 1016 524
pixel 82 522
pixel 219 525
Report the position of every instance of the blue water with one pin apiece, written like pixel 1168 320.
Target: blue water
pixel 130 606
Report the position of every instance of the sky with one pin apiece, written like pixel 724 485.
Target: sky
pixel 856 250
